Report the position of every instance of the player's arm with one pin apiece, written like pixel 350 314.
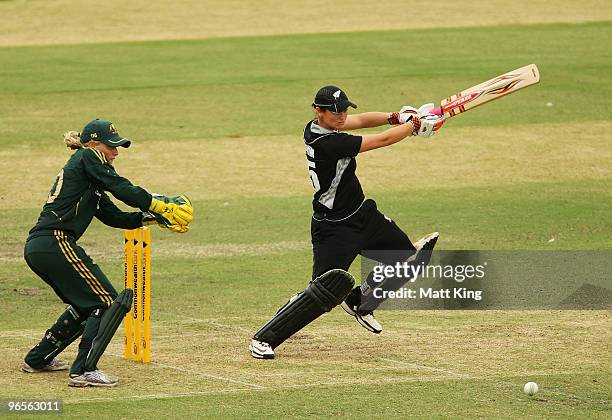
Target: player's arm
pixel 121 188
pixel 411 125
pixel 366 120
pixel 377 119
pixel 176 210
pixel 111 215
pixel 386 138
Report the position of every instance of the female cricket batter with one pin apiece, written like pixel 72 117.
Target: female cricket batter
pixel 345 223
pixel 79 194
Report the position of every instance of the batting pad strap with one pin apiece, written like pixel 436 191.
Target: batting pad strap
pixel 111 319
pixel 322 295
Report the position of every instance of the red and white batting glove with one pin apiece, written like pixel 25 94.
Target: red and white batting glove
pixel 404 114
pixel 425 109
pixel 427 125
pixel 424 122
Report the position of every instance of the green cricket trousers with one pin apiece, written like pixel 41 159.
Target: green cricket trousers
pixel 57 259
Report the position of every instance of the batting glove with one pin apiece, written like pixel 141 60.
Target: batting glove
pixel 427 125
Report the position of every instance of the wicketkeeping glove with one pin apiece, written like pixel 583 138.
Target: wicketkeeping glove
pixel 149 218
pixel 177 210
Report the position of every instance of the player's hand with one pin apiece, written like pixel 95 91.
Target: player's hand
pixel 428 125
pixel 177 228
pixel 425 109
pixel 177 210
pixel 149 218
pixel 407 112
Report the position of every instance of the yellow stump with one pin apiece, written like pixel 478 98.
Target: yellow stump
pixel 146 295
pixel 137 276
pixel 128 238
pixel 137 307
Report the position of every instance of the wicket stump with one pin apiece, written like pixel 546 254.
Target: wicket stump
pixel 137 276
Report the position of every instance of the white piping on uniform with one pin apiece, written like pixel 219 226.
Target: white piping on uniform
pixel 344 218
pixel 328 197
pixel 314 128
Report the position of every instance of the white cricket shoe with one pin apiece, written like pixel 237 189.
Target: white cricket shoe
pixel 367 321
pixel 94 378
pixel 261 350
pixel 55 364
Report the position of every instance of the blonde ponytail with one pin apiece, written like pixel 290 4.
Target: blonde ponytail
pixel 73 140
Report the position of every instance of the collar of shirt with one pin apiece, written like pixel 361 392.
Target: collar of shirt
pixel 320 130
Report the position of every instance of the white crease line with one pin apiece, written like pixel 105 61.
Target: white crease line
pixel 259 387
pixel 423 367
pixel 155 396
pixel 312 385
pixel 347 368
pixel 255 386
pixel 208 375
pixel 195 372
pixel 276 387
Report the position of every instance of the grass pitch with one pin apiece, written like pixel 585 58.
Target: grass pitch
pixel 224 118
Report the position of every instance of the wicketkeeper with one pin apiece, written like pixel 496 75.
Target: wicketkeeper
pixel 344 223
pixel 79 194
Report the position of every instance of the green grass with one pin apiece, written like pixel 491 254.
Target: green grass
pixel 403 401
pixel 577 214
pixel 264 85
pixel 249 248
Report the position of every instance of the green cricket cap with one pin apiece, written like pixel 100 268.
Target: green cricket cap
pixel 103 131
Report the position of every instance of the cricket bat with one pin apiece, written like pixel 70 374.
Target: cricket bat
pixel 488 91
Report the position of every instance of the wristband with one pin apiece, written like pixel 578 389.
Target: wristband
pixel 416 124
pixel 393 118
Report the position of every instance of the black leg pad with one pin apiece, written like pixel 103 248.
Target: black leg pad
pixel 111 319
pixel 322 295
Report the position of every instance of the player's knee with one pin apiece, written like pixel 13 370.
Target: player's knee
pixel 69 324
pixel 331 288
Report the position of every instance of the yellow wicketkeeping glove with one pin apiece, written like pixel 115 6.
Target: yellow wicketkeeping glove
pixel 149 218
pixel 177 210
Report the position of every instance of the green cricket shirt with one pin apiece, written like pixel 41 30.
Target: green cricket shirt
pixel 79 194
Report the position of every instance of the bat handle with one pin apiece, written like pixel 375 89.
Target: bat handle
pixel 437 111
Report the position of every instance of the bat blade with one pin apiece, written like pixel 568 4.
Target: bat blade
pixel 488 91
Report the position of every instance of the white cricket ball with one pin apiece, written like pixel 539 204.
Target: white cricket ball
pixel 530 388
pixel 549 104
